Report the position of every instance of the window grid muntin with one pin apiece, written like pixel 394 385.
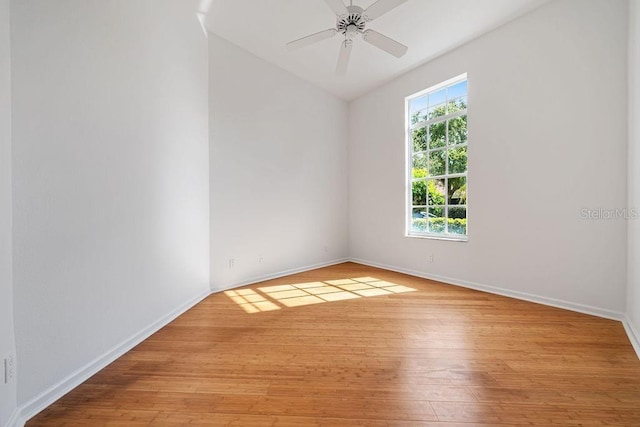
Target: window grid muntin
pixel 447 147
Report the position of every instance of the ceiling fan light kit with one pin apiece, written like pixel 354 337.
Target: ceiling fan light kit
pixel 351 21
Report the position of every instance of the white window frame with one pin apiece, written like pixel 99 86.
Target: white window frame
pixel 409 127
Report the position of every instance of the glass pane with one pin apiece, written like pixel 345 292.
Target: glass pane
pixel 457 222
pixel 457 129
pixel 437 97
pixel 457 191
pixel 419 212
pixel 435 189
pixel 435 211
pixel 456 105
pixel 419 193
pixel 419 137
pixel 437 162
pixel 458 226
pixel 458 89
pixel 457 212
pixel 437 132
pixel 420 116
pixel 437 111
pixel 458 160
pixel 419 224
pixel 419 166
pixel 418 104
pixel 436 224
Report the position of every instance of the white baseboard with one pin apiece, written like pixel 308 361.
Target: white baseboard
pixel 633 334
pixel 580 308
pixel 262 278
pixel 55 392
pixel 14 419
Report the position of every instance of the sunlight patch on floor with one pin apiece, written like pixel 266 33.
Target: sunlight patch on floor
pixel 250 301
pixel 269 298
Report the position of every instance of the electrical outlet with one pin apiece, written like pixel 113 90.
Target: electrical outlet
pixel 9 368
pixel 260 259
pixel 430 257
pixel 232 263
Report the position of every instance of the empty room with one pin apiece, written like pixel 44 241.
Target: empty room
pixel 319 213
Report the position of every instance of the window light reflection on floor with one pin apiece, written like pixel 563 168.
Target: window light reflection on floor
pixel 250 301
pixel 269 298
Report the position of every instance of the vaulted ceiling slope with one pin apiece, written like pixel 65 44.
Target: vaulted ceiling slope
pixel 428 27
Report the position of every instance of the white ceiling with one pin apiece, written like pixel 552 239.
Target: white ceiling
pixel 429 27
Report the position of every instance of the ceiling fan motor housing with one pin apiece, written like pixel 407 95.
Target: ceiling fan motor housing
pixel 352 24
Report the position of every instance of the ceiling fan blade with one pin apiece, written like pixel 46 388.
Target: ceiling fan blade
pixel 385 43
pixel 337 6
pixel 311 39
pixel 343 58
pixel 381 7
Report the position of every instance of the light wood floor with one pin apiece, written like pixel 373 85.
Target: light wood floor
pixel 384 349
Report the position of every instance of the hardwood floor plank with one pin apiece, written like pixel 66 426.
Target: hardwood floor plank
pixel 351 345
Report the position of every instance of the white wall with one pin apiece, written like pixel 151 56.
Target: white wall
pixel 278 169
pixel 110 175
pixel 633 287
pixel 111 170
pixel 7 343
pixel 547 129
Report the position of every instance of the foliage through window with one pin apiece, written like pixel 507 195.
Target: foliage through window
pixel 437 164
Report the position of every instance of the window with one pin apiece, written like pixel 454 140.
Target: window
pixel 437 161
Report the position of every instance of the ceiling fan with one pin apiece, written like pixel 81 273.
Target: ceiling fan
pixel 350 21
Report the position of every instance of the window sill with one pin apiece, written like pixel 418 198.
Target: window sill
pixel 439 237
